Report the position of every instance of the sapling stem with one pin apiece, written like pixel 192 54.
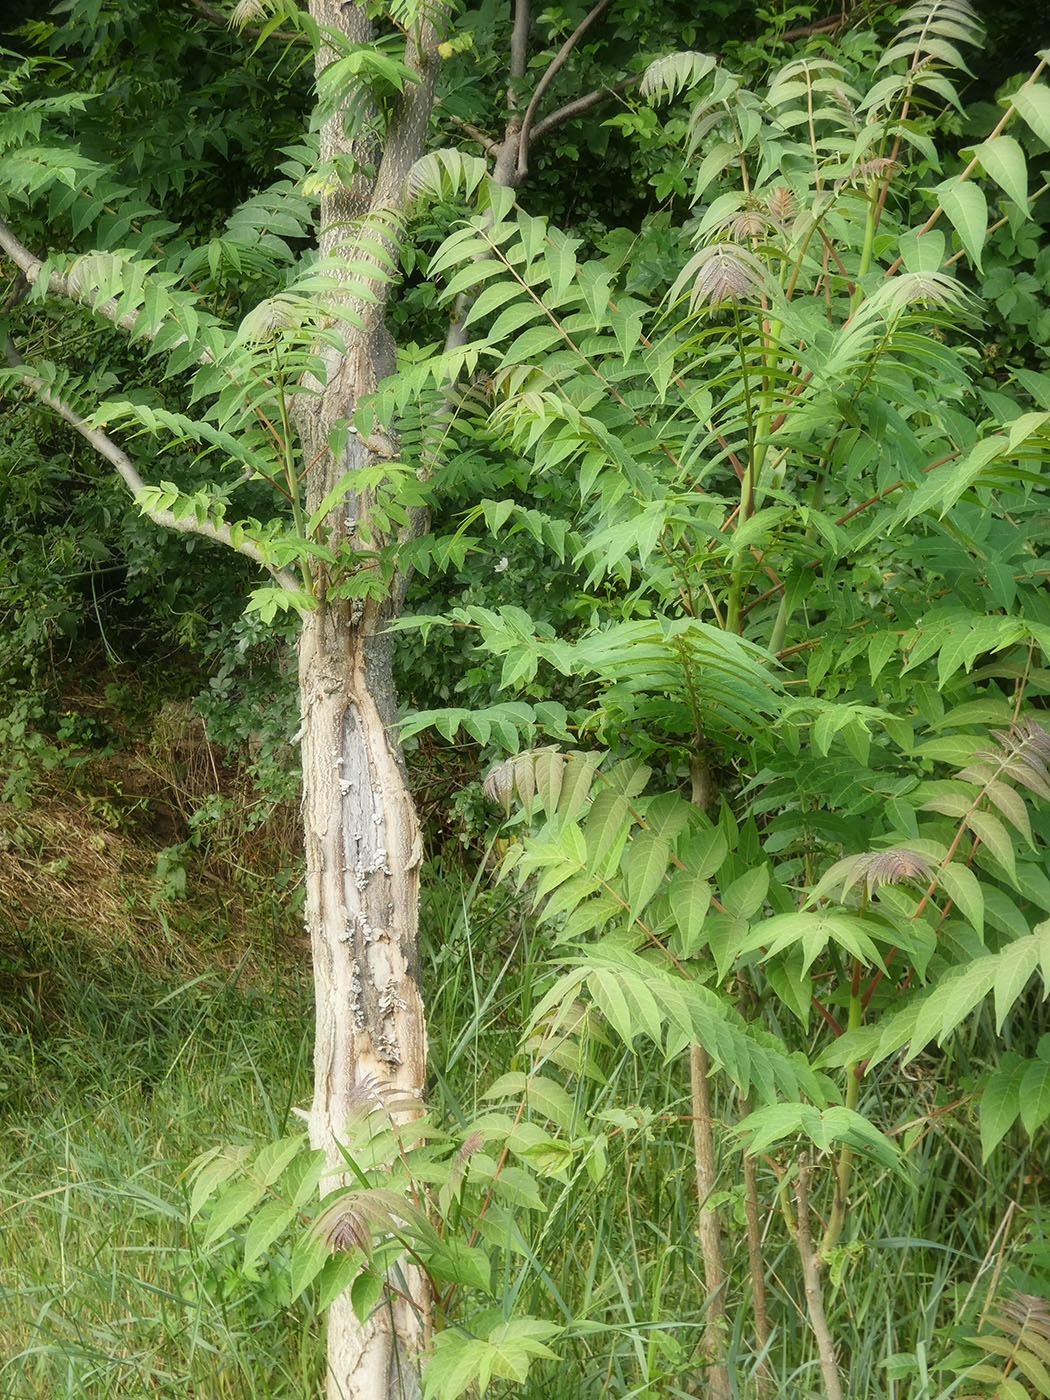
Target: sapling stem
pixel 756 1266
pixel 844 1167
pixel 708 1226
pixel 811 1283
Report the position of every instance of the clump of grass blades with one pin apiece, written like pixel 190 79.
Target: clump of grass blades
pixel 112 1078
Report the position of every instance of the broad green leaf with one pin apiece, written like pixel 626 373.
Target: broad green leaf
pixel 541 1095
pixel 810 931
pixel 365 1292
pixel 532 343
pixel 746 895
pixel 606 827
pixel 690 902
pixel 964 889
pixel 792 986
pixel 725 936
pixel 1017 962
pixel 303 1177
pixel 950 1002
pixel 211 1170
pixel 1032 103
pixel 308 1259
pixel 1004 161
pixel 704 851
pixel 336 1276
pixel 1027 1363
pixel 965 205
pixel 1000 1104
pixel 275 1157
pixel 995 836
pixel 576 786
pixel 1035 1096
pixel 235 1203
pixel 269 1221
pixel 456 1262
pixel 764 1127
pixel 492 297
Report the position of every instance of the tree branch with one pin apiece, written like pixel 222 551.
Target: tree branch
pixel 31 267
pixel 519 49
pixel 488 145
pixel 556 63
pixel 580 104
pixel 253 31
pixel 119 459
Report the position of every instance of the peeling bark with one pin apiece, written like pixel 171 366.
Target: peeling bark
pixel 363 846
pixel 363 853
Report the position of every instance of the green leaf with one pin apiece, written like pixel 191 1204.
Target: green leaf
pixel 275 1157
pixel 999 1106
pixel 303 1176
pixel 746 895
pixel 606 827
pixel 336 1277
pixel 308 1259
pixel 995 836
pixel 690 902
pixel 1029 1365
pixel 365 1292
pixel 964 889
pixel 1017 962
pixel 459 1361
pixel 645 867
pixel 1004 161
pixel 1035 1096
pixel 764 1127
pixel 456 1262
pixel 211 1171
pixel 532 343
pixel 952 1001
pixel 792 987
pixel 542 1096
pixel 1032 103
pixel 966 207
pixel 235 1203
pixel 269 1221
pixel 704 852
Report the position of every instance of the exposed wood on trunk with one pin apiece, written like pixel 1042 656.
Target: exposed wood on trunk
pixel 363 844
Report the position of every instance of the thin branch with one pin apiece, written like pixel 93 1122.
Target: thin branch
pixel 119 459
pixel 756 1267
pixel 968 171
pixel 519 49
pixel 820 26
pixel 580 104
pixel 709 1226
pixel 252 31
pixel 490 146
pixel 31 267
pixel 556 63
pixel 811 1284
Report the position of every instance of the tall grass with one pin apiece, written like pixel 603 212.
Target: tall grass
pixel 115 1074
pixel 112 1078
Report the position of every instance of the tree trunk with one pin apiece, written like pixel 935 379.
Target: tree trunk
pixel 363 854
pixel 363 847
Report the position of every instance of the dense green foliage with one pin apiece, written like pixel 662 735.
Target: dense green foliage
pixel 739 498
